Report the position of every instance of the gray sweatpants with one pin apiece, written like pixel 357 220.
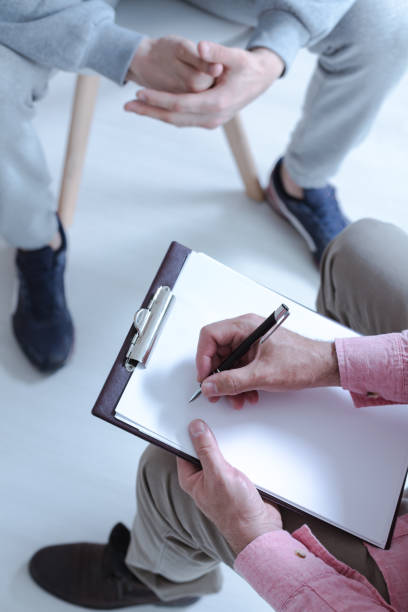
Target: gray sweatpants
pixel 174 548
pixel 358 63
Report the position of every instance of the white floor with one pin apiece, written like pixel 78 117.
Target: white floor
pixel 67 476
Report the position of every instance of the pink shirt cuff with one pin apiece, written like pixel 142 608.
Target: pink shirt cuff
pixel 297 573
pixel 286 566
pixel 374 368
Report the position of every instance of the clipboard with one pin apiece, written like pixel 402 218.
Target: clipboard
pixel 147 326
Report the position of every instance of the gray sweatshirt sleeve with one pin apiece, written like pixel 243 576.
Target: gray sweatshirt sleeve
pixel 284 26
pixel 68 34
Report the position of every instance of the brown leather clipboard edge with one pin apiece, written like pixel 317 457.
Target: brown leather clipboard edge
pixel 118 377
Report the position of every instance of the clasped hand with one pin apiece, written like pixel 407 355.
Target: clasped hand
pixel 198 85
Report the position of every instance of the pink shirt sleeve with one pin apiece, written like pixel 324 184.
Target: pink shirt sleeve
pixel 374 368
pixel 290 577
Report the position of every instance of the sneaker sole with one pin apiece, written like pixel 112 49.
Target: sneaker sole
pixel 281 209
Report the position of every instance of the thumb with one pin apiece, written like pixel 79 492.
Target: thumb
pixel 217 54
pixel 206 447
pixel 230 382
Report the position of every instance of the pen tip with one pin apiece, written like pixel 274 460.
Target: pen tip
pixel 196 394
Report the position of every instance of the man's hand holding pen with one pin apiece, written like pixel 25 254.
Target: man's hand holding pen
pixel 286 361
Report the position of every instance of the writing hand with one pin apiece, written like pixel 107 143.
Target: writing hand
pixel 223 493
pixel 172 64
pixel 286 361
pixel 245 75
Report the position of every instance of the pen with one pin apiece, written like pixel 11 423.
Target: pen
pixel 264 330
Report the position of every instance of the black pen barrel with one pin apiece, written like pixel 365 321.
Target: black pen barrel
pixel 246 344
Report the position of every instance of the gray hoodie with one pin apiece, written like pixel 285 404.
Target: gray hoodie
pixel 76 34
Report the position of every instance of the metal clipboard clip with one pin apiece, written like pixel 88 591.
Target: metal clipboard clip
pixel 148 322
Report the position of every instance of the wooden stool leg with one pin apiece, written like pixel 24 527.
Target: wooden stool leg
pixel 86 91
pixel 239 146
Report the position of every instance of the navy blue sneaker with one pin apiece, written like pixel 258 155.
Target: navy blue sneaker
pixel 318 217
pixel 42 324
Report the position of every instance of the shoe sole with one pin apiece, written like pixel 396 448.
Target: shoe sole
pixel 178 603
pixel 281 209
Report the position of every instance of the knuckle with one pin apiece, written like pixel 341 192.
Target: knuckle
pixel 181 47
pixel 177 107
pixel 205 454
pixel 171 120
pixel 193 82
pixel 254 318
pixel 205 449
pixel 250 319
pixel 197 84
pixel 206 332
pixel 231 386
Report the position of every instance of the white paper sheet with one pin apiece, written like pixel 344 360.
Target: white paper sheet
pixel 311 448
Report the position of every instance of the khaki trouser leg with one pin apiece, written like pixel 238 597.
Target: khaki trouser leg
pixel 364 280
pixel 174 549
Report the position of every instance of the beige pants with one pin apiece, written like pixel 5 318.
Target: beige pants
pixel 174 548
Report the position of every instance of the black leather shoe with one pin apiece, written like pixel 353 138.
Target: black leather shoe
pixel 95 575
pixel 42 324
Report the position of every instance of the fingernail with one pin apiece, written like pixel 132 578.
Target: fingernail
pixel 197 427
pixel 209 388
